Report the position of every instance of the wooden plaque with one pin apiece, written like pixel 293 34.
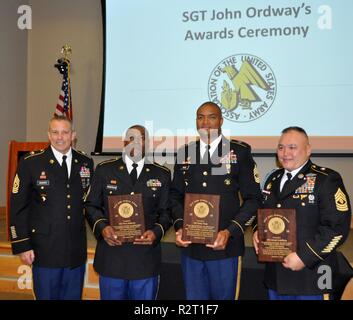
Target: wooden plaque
pixel 201 218
pixel 126 216
pixel 277 233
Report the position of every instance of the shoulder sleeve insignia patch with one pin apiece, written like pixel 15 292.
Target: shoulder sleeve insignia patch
pixel 256 174
pixel 16 185
pixel 341 200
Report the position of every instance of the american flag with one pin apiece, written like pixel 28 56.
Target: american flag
pixel 64 105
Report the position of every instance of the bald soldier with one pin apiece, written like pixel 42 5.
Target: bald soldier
pixel 214 165
pixel 323 215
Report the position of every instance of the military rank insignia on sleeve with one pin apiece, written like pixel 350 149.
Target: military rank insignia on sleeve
pixel 256 174
pixel 13 232
pixel 16 185
pixel 341 200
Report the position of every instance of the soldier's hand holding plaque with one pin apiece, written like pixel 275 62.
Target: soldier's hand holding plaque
pixel 276 233
pixel 126 216
pixel 201 218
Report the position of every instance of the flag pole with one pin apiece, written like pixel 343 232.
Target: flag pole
pixel 67 51
pixel 64 105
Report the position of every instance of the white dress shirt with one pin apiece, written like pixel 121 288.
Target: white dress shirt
pixel 293 173
pixel 129 164
pixel 59 157
pixel 213 146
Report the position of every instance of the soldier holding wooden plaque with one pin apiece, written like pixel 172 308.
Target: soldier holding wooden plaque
pixel 210 176
pixel 305 218
pixel 127 209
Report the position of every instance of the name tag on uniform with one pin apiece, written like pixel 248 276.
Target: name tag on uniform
pixel 112 187
pixel 41 183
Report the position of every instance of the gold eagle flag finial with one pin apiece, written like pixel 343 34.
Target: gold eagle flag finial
pixel 66 50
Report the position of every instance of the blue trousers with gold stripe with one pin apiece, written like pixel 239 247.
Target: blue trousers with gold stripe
pixel 212 279
pixel 121 289
pixel 273 295
pixel 58 283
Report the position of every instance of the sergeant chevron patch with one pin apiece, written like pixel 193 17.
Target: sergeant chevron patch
pixel 341 200
pixel 333 243
pixel 16 184
pixel 13 232
pixel 256 174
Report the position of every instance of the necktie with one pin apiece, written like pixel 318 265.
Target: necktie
pixel 133 173
pixel 285 186
pixel 207 155
pixel 64 167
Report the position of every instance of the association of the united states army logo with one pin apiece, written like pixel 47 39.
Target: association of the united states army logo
pixel 244 86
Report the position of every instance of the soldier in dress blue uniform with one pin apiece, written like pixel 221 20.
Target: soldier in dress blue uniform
pixel 129 271
pixel 323 215
pixel 47 224
pixel 215 165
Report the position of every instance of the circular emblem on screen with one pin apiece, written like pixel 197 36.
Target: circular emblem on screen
pixel 201 210
pixel 126 210
pixel 276 225
pixel 244 86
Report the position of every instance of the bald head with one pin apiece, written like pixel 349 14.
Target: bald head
pixel 209 121
pixel 210 106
